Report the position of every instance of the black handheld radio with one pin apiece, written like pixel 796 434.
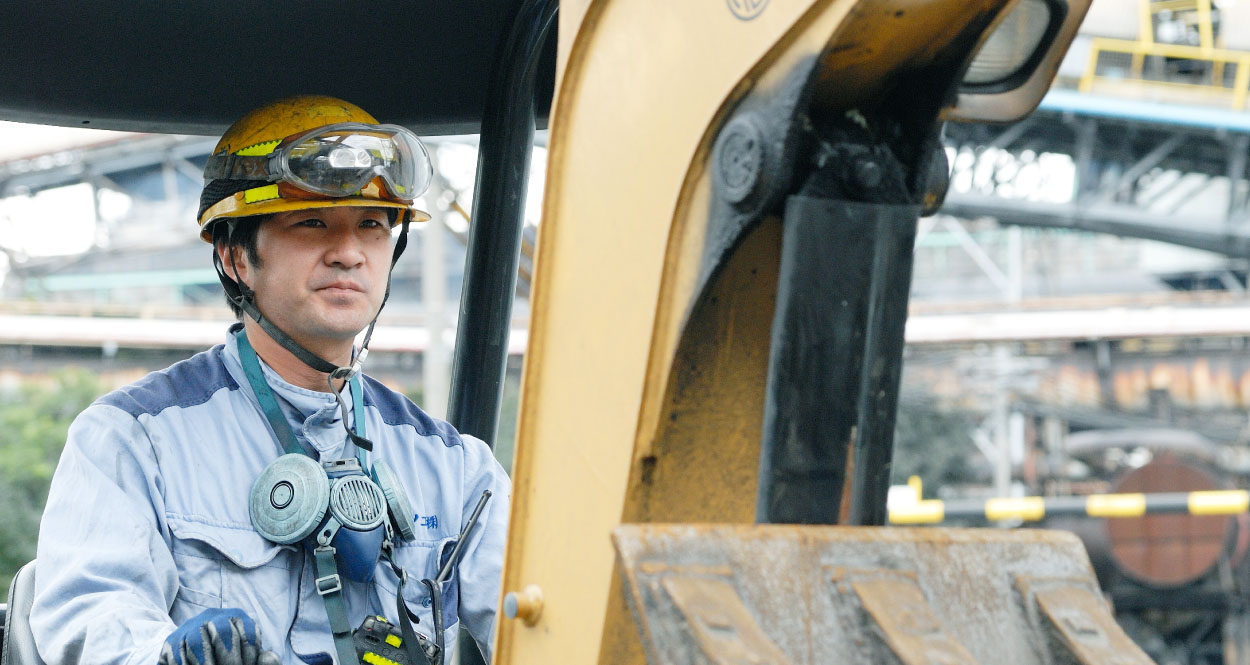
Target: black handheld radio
pixel 378 642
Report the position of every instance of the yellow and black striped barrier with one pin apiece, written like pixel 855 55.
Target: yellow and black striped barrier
pixel 1034 508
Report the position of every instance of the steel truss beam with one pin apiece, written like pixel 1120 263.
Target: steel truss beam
pixel 1131 177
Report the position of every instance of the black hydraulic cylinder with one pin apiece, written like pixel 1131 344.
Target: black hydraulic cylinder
pixel 494 244
pixel 834 362
pixel 889 288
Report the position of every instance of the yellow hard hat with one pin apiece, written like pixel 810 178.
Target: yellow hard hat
pixel 312 152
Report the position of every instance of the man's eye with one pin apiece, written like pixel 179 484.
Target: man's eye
pixel 313 222
pixel 372 224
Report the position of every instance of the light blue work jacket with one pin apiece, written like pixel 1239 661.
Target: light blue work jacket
pixel 147 519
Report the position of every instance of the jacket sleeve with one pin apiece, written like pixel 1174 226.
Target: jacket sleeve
pixel 481 567
pixel 105 578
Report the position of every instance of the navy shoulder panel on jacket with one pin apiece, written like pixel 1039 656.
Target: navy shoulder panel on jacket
pixel 397 409
pixel 185 383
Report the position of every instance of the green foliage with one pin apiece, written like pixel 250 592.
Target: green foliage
pixel 934 443
pixel 505 437
pixel 33 425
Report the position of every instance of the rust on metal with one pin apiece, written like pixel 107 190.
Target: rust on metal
pixel 703 618
pixel 809 595
pixel 1080 623
pixel 908 625
pixel 720 624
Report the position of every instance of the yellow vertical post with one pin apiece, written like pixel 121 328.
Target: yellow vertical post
pixel 1145 35
pixel 1206 41
pixel 1206 36
pixel 1091 68
pixel 917 486
pixel 1242 82
pixel 1146 27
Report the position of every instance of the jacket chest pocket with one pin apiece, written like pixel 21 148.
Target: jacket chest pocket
pixel 229 567
pixel 421 561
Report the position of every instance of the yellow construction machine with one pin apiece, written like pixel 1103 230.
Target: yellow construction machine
pixel 716 338
pixel 718 304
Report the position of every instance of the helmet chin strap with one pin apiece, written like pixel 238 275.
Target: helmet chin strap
pixel 244 298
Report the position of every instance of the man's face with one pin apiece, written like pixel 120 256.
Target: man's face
pixel 322 272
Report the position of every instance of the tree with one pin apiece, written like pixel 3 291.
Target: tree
pixel 934 443
pixel 33 423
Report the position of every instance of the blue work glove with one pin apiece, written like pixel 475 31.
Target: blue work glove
pixel 216 637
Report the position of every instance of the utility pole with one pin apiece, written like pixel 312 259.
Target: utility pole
pixel 435 360
pixel 1002 422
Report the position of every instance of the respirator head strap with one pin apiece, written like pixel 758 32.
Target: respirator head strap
pixel 349 373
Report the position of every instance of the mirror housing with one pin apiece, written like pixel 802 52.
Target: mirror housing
pixel 994 92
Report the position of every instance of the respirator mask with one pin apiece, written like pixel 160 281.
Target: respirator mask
pixel 331 504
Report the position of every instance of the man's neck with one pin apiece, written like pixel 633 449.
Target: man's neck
pixel 292 369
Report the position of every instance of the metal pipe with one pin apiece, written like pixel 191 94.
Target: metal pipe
pixel 494 245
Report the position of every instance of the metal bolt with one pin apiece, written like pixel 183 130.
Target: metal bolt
pixel 526 605
pixel 739 158
pixel 867 173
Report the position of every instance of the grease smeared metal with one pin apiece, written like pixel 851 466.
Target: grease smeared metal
pixel 780 594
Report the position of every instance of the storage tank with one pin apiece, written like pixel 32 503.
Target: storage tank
pixel 1173 550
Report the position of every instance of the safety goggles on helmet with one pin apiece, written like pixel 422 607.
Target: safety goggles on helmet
pixel 335 160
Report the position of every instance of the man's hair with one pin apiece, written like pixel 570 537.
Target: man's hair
pixel 238 234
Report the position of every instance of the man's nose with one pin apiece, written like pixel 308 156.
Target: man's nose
pixel 345 250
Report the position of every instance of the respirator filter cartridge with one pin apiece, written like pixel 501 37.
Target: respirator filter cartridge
pixel 288 500
pixel 396 500
pixel 357 503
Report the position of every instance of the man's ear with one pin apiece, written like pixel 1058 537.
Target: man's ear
pixel 233 260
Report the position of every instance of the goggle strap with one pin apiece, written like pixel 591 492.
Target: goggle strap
pixel 239 167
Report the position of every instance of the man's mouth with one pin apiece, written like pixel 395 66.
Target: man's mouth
pixel 342 286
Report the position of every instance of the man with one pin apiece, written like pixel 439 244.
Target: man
pixel 177 531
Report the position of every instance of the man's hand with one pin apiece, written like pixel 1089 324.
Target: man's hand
pixel 216 637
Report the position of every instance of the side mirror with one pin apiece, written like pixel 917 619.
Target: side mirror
pixel 1012 68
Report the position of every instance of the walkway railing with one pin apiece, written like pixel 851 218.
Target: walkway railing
pixel 1210 65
